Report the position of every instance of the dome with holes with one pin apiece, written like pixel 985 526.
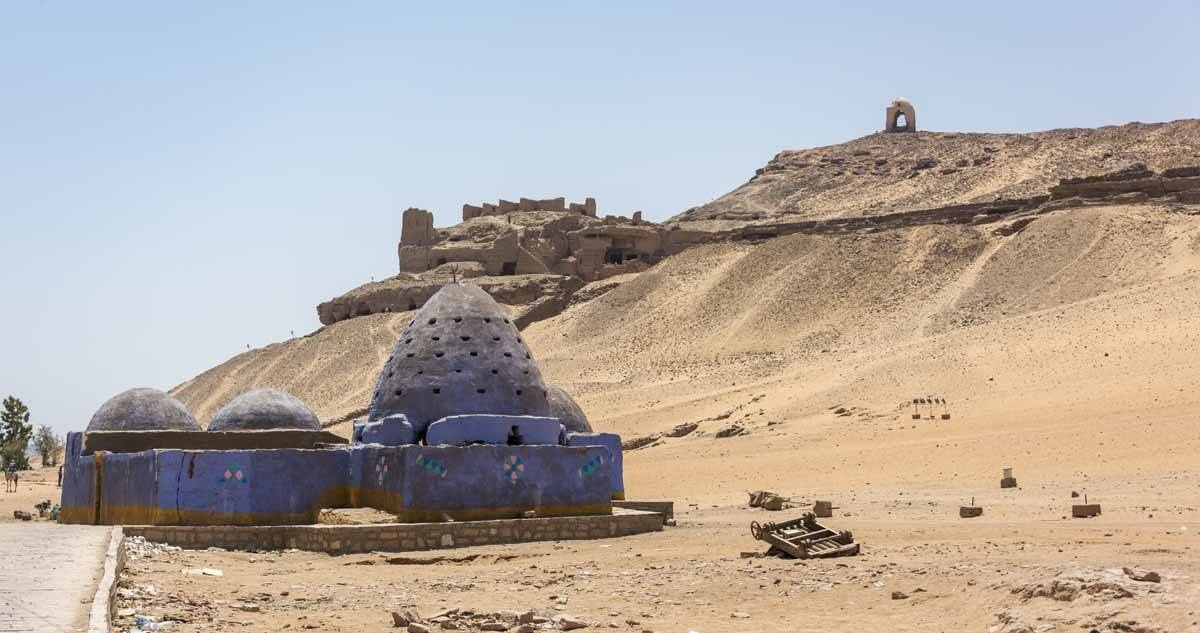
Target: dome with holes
pixel 143 409
pixel 460 355
pixel 265 410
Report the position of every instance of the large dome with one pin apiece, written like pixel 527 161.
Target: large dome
pixel 143 409
pixel 263 410
pixel 564 407
pixel 460 355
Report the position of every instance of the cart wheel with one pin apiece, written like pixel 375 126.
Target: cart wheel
pixel 756 530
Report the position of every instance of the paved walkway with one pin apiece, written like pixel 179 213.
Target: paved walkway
pixel 48 575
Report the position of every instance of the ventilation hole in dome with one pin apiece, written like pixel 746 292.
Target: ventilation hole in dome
pixel 527 356
pixel 495 338
pixel 390 374
pixel 458 319
pixel 391 358
pixel 420 371
pixel 506 320
pixel 437 338
pixel 508 354
pixel 458 371
pixel 437 390
pixel 519 340
pixel 481 391
pixel 518 392
pixel 486 320
pixel 398 391
pixel 545 394
pixel 376 393
pixel 526 371
pixel 465 338
pixel 410 354
pixel 439 354
pixel 495 371
pixel 432 321
pixel 474 353
pixel 407 341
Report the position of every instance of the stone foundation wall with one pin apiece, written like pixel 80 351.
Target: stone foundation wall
pixel 401 537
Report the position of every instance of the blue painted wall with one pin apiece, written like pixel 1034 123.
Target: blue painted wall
pixel 290 485
pixel 611 441
pixel 459 478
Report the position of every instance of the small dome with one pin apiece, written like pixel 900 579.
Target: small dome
pixel 143 409
pixel 264 410
pixel 460 355
pixel 564 407
pixel 901 101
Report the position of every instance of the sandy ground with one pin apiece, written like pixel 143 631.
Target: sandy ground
pixel 1021 565
pixel 35 486
pixel 1069 351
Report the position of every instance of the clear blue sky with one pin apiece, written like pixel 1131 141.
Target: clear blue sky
pixel 179 180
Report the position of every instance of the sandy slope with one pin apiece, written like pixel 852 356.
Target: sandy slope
pixel 1045 343
pixel 1070 348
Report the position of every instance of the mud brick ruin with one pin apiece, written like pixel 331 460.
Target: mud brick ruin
pixel 534 253
pixel 461 427
pixel 900 108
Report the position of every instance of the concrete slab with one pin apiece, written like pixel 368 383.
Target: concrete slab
pixel 49 575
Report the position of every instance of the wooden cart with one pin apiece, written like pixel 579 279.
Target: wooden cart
pixel 805 538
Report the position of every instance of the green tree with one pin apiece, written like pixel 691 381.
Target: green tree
pixel 48 445
pixel 15 431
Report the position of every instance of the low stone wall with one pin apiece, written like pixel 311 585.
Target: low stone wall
pixel 402 537
pixel 100 617
pixel 665 508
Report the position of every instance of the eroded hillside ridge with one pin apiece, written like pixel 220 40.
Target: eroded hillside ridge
pixel 532 296
pixel 885 173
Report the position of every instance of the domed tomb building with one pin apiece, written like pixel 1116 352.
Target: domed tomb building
pixel 564 407
pixel 264 410
pixel 460 356
pixel 143 409
pixel 461 427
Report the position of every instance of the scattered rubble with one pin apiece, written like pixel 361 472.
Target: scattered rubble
pixel 456 619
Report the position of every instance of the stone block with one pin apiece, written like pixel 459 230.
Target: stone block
pixel 552 204
pixel 823 509
pixel 969 512
pixel 414 259
pixel 1008 482
pixel 1085 510
pixel 393 430
pixel 417 227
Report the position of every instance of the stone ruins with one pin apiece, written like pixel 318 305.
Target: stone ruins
pixel 522 253
pixel 554 205
pixel 531 237
pixel 900 108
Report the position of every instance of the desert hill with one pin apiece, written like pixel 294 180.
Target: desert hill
pixel 887 173
pixel 1065 338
